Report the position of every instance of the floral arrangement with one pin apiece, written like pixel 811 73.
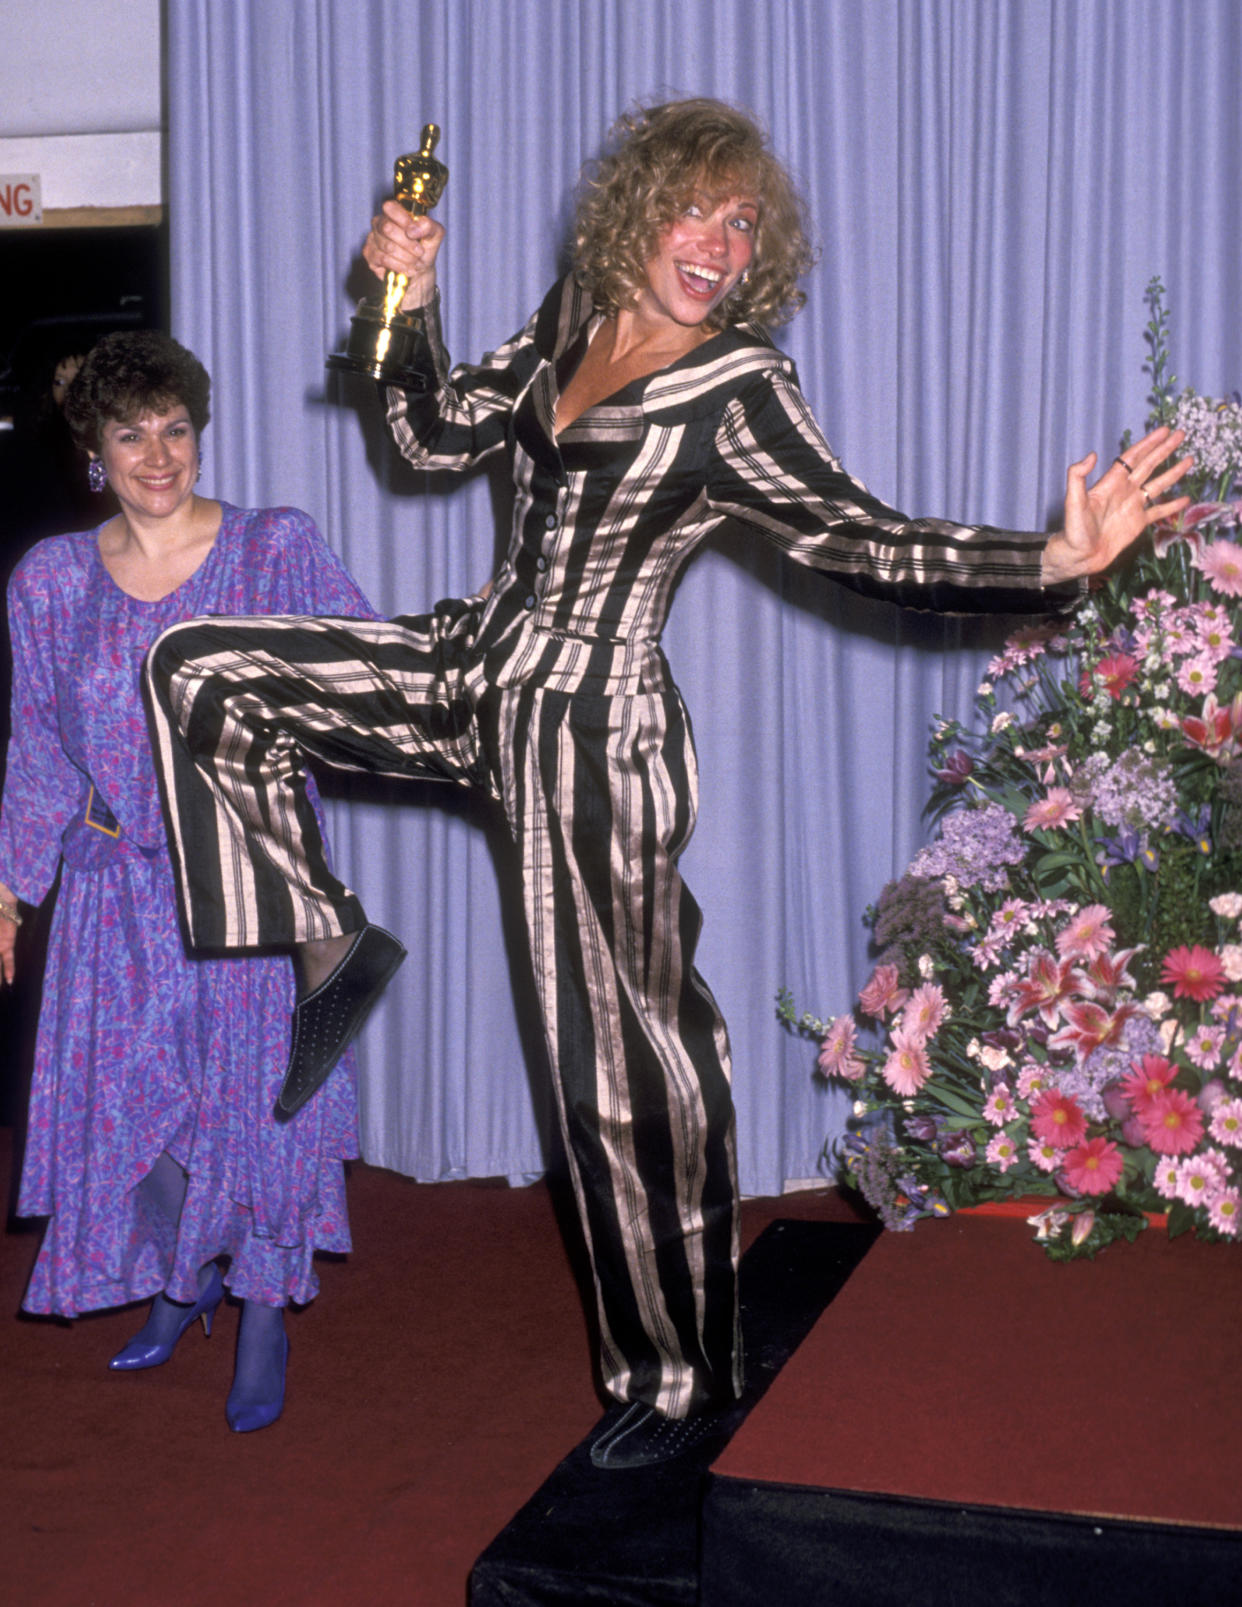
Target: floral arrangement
pixel 1056 1005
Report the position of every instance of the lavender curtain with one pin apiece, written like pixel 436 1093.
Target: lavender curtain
pixel 993 181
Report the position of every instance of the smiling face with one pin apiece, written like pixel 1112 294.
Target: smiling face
pixel 152 461
pixel 699 259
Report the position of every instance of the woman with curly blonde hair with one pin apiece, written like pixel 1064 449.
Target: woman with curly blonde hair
pixel 666 159
pixel 641 407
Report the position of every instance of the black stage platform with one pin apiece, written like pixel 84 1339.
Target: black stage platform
pixel 630 1538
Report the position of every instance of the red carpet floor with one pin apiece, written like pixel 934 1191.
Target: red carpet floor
pixel 443 1372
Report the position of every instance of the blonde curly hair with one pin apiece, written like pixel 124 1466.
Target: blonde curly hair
pixel 659 160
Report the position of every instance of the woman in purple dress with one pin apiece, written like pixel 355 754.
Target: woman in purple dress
pixel 151 1144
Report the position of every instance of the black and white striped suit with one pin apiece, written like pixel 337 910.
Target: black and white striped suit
pixel 553 694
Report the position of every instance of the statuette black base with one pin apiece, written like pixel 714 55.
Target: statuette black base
pixel 386 350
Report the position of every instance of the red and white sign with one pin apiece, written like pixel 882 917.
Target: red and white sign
pixel 21 200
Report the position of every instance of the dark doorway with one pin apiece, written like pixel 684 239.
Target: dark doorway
pixel 63 289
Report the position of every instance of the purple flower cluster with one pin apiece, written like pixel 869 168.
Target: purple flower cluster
pixel 909 917
pixel 874 1163
pixel 974 846
pixel 1213 434
pixel 1133 791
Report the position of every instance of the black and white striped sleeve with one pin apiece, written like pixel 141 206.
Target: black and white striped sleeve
pixel 464 415
pixel 776 472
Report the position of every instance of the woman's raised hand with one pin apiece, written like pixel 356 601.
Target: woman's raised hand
pixel 403 244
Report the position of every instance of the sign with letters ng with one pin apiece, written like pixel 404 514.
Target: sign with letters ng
pixel 21 200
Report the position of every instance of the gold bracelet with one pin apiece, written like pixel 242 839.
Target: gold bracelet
pixel 10 912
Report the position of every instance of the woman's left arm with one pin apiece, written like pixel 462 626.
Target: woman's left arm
pixel 776 472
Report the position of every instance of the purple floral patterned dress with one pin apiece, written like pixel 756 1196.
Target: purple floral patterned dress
pixel 142 1048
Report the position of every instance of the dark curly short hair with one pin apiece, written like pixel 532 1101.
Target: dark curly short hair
pixel 660 158
pixel 132 372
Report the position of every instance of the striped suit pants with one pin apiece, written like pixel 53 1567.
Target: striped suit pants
pixel 600 794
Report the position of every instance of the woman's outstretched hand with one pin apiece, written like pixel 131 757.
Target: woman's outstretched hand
pixel 1102 520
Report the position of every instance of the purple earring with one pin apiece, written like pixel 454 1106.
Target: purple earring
pixel 96 474
pixel 199 475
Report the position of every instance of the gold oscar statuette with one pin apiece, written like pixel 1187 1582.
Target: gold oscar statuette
pixel 383 340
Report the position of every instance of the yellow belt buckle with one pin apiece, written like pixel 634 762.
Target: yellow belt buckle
pixel 114 830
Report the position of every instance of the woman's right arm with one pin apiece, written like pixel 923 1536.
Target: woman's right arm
pixel 42 789
pixel 461 416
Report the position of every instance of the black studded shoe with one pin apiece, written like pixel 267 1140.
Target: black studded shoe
pixel 330 1017
pixel 640 1435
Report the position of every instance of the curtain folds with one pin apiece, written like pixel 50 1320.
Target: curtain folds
pixel 993 183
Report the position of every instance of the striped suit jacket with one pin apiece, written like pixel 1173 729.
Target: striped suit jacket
pixel 609 511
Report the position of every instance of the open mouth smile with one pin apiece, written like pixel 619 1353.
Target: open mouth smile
pixel 699 280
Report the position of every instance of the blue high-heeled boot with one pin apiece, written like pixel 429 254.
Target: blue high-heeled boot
pixel 257 1397
pixel 152 1345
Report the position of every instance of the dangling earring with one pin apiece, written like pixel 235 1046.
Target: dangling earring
pixel 96 474
pixel 199 475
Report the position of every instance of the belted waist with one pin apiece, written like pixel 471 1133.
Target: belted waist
pixel 95 837
pixel 572 661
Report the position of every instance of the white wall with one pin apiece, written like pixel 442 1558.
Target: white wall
pixel 80 100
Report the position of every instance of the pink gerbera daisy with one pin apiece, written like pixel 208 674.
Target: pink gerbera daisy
pixel 1057 1118
pixel 1116 672
pixel 1093 1167
pixel 1010 917
pixel 1087 935
pixel 1047 1157
pixel 1215 636
pixel 907 1068
pixel 1221 562
pixel 1150 1076
pixel 1226 1127
pixel 1164 1178
pixel 1225 1212
pixel 999 1108
pixel 836 1055
pixel 1197 676
pixel 1002 1152
pixel 1203 1047
pixel 1057 808
pixel 925 1010
pixel 1193 972
pixel 1032 1080
pixel 1199 1177
pixel 1172 1123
